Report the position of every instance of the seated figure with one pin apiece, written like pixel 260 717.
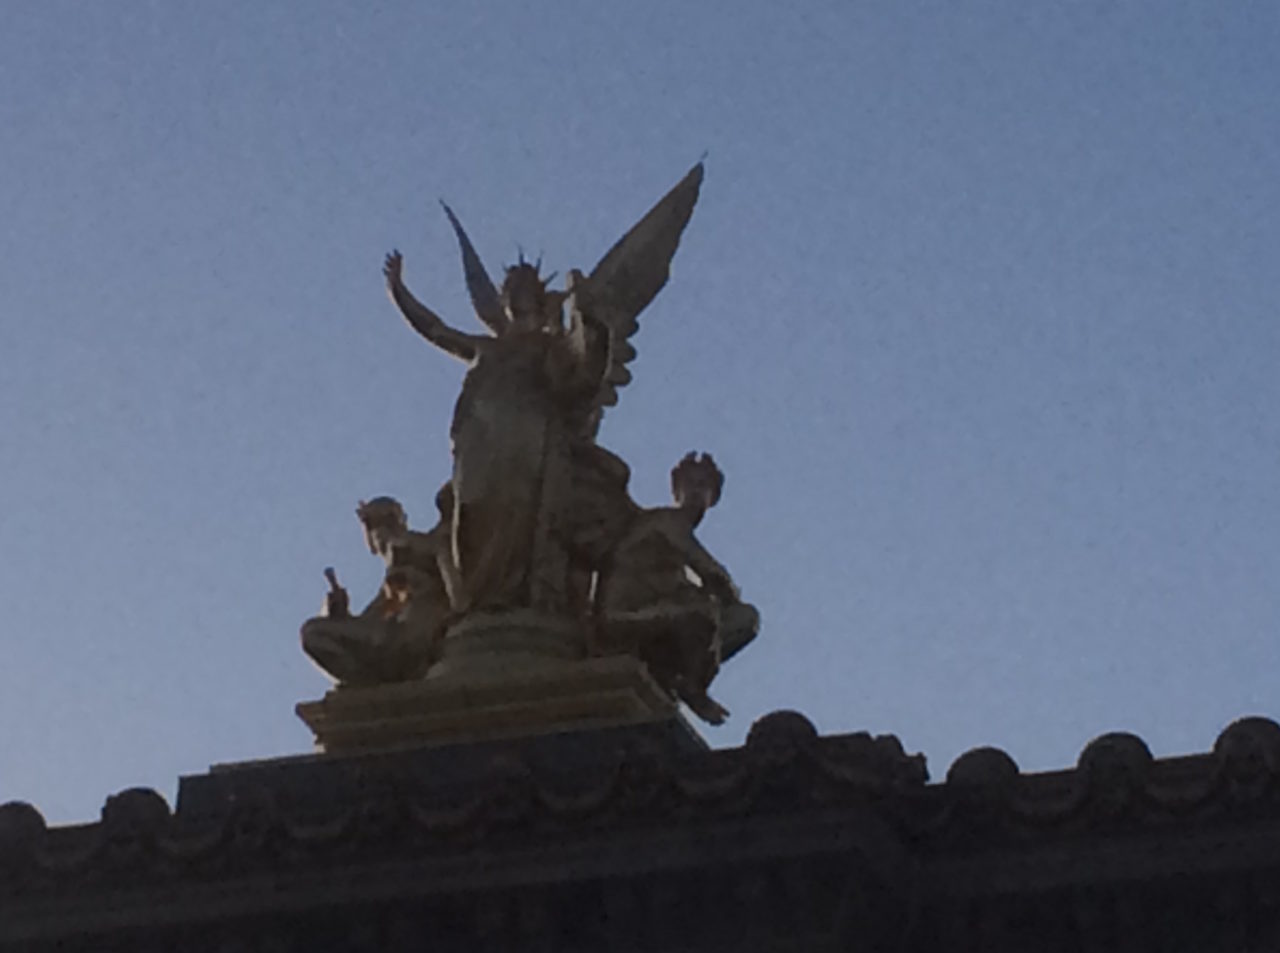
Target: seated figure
pixel 396 637
pixel 662 597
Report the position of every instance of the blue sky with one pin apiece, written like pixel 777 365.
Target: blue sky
pixel 977 311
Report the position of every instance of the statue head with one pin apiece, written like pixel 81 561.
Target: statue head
pixel 525 297
pixel 384 523
pixel 523 303
pixel 696 483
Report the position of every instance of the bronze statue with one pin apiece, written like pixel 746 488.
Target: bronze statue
pixel 396 637
pixel 666 599
pixel 540 548
pixel 533 395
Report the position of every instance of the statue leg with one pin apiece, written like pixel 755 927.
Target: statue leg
pixel 412 648
pixel 672 639
pixel 739 624
pixel 699 663
pixel 347 649
pixel 700 703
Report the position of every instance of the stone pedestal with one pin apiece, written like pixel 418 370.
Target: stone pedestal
pixel 508 643
pixel 488 699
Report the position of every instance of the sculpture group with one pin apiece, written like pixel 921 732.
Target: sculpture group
pixel 536 528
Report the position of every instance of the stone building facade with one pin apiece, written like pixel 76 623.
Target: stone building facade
pixel 640 838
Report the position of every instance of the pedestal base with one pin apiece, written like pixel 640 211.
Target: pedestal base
pixel 477 705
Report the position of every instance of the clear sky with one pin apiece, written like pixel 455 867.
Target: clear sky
pixel 977 312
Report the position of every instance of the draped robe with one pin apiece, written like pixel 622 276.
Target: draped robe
pixel 510 438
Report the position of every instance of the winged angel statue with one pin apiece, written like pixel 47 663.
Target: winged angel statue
pixel 536 514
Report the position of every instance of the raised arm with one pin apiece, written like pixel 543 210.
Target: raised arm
pixel 426 322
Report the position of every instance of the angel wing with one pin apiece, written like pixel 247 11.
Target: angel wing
pixel 630 275
pixel 484 296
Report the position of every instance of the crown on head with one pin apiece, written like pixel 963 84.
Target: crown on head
pixel 697 470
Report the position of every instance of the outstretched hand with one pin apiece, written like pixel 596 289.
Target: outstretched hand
pixel 422 319
pixel 391 268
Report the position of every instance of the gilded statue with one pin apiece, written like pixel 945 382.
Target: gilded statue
pixel 540 551
pixel 397 636
pixel 524 426
pixel 664 598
